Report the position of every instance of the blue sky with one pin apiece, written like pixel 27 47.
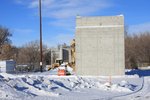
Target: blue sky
pixel 21 17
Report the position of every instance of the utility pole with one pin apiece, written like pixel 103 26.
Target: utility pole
pixel 41 53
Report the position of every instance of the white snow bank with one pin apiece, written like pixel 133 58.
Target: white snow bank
pixel 3 94
pixel 54 86
pixel 114 87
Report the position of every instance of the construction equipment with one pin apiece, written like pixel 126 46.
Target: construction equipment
pixel 73 54
pixel 57 63
pixel 69 63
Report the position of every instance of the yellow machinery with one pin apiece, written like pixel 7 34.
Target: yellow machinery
pixel 73 54
pixel 57 63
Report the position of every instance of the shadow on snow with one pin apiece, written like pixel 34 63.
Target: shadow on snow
pixel 139 72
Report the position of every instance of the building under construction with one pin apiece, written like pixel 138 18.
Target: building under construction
pixel 100 45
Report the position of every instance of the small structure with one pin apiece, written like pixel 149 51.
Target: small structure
pixel 7 66
pixel 23 68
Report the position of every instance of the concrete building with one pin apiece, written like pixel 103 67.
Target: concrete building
pixel 100 45
pixel 61 53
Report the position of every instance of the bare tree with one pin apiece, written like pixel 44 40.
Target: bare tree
pixel 4 36
pixel 30 54
pixel 137 49
pixel 8 52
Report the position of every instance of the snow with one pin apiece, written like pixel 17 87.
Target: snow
pixel 49 86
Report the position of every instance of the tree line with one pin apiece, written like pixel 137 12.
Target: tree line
pixel 28 54
pixel 137 51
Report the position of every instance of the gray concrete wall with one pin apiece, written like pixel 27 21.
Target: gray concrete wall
pixel 63 53
pixel 100 45
pixel 67 54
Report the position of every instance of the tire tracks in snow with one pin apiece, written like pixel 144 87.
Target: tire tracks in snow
pixel 129 94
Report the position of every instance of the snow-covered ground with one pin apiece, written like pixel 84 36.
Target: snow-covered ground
pixel 44 86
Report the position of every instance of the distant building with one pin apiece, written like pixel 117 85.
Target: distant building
pixel 7 66
pixel 61 53
pixel 100 45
